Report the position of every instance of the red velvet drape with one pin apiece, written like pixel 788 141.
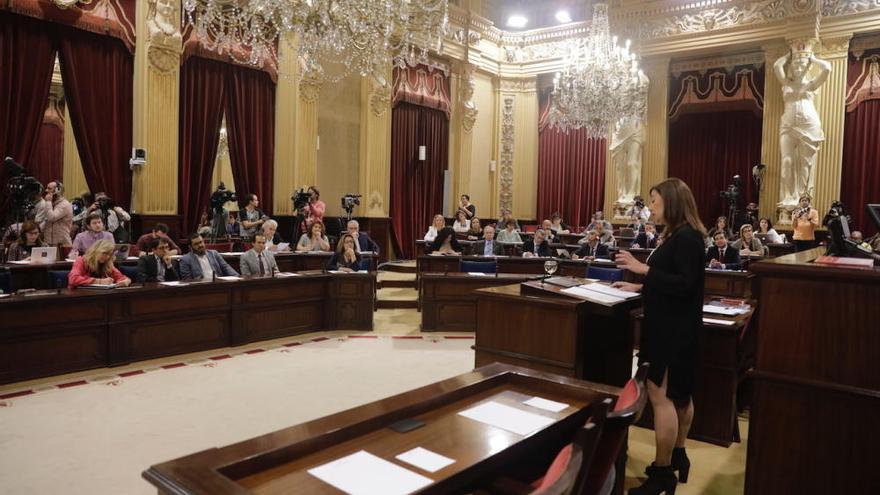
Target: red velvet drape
pixel 416 186
pixel 47 161
pixel 860 174
pixel 201 113
pixel 707 149
pixel 250 122
pixel 27 56
pixel 98 74
pixel 571 172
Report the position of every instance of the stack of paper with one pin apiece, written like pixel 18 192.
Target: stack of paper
pixel 229 278
pixel 611 291
pixel 363 473
pixel 592 295
pixel 476 274
pixel 726 311
pixel 425 459
pixel 507 418
pixel 719 322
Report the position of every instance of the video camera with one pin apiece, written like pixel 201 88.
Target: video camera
pixel 349 201
pixel 301 199
pixel 731 194
pixel 24 190
pixel 220 197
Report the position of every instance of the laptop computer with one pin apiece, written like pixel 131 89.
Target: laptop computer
pixel 121 252
pixel 44 255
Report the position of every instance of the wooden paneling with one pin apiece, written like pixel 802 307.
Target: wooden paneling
pixel 448 302
pixel 175 336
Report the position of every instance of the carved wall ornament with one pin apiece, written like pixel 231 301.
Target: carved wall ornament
pixel 380 98
pixel 309 89
pixel 835 47
pixel 727 62
pixel 64 4
pixel 506 155
pixel 832 8
pixel 468 107
pixel 859 44
pixel 714 19
pixel 473 37
pixel 165 45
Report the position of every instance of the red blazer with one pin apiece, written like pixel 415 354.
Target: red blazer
pixel 79 275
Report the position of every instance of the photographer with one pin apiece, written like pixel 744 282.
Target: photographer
pixel 638 211
pixel 54 214
pixel 113 216
pixel 314 211
pixel 804 221
pixel 252 218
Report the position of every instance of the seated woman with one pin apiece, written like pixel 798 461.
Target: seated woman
pixel 96 267
pixel 315 240
pixel 720 226
pixel 346 258
pixel 436 226
pixel 445 243
pixel 557 225
pixel 475 233
pixel 747 243
pixel 28 238
pixel 461 224
pixel 766 227
pixel 509 234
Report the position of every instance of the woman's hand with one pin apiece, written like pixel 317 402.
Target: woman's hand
pixel 124 282
pixel 345 269
pixel 627 261
pixel 627 286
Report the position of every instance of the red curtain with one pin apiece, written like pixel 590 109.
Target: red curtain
pixel 860 173
pixel 416 186
pixel 201 113
pixel 250 122
pixel 98 79
pixel 571 172
pixel 27 57
pixel 47 161
pixel 707 149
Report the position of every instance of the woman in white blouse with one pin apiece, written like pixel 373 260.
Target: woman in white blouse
pixel 766 228
pixel 461 224
pixel 436 226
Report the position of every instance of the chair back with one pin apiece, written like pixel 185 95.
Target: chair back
pixel 220 247
pixel 530 228
pixel 5 281
pixel 478 266
pixel 626 411
pixel 58 279
pixel 129 271
pixel 63 252
pixel 605 274
pixel 246 246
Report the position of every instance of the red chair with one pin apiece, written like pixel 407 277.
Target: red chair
pixel 64 252
pixel 134 250
pixel 246 246
pixel 530 228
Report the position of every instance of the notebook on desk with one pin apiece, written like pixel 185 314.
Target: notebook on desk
pixel 44 255
pixel 563 281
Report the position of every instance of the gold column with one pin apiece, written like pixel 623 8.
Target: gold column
pixel 286 103
pixel 518 150
pixel 770 153
pixel 74 177
pixel 830 106
pixel 305 138
pixel 655 152
pixel 156 108
pixel 460 144
pixel 374 179
pixel 610 179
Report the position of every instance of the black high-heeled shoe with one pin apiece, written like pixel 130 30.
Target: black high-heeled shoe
pixel 681 463
pixel 661 479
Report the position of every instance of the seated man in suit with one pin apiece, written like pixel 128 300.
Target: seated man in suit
pixel 202 263
pixel 538 246
pixel 362 241
pixel 273 238
pixel 158 266
pixel 592 248
pixel 721 256
pixel 258 260
pixel 646 239
pixel 488 246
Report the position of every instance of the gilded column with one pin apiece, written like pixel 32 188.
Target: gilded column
pixel 655 154
pixel 460 136
pixel 156 108
pixel 374 181
pixel 518 149
pixel 610 180
pixel 74 178
pixel 770 153
pixel 286 103
pixel 305 138
pixel 830 106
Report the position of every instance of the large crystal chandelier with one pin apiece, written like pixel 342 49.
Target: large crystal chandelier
pixel 600 85
pixel 334 38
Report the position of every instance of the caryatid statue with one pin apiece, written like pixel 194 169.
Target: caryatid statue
pixel 627 142
pixel 800 132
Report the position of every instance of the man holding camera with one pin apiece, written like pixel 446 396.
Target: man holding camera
pixel 112 216
pixel 638 211
pixel 804 221
pixel 54 214
pixel 314 211
pixel 252 218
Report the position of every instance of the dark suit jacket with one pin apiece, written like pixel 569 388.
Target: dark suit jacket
pixel 601 251
pixel 190 269
pixel 731 259
pixel 148 270
pixel 642 241
pixel 337 261
pixel 479 247
pixel 367 244
pixel 543 249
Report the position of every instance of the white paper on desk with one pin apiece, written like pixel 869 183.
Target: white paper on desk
pixel 363 473
pixel 229 278
pixel 287 274
pixel 591 295
pixel 173 283
pixel 131 258
pixel 477 274
pixel 719 310
pixel 230 253
pixel 425 459
pixel 282 246
pixel 507 418
pixel 21 262
pixel 546 404
pixel 611 291
pixel 719 322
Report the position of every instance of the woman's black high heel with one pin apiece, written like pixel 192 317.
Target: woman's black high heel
pixel 660 480
pixel 681 463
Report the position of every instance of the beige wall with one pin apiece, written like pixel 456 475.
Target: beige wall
pixel 339 116
pixel 482 151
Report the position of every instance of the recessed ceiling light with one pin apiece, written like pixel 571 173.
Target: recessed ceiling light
pixel 517 21
pixel 563 16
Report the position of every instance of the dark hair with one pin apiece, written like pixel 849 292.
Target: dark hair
pixel 259 234
pixel 769 223
pixel 722 217
pixel 721 233
pixel 27 226
pixel 465 196
pixel 556 214
pixel 92 217
pixel 193 236
pixel 442 235
pixel 161 241
pixel 161 227
pixel 317 192
pixel 249 197
pixel 679 206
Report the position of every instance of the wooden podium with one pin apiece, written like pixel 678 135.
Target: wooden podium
pixel 815 421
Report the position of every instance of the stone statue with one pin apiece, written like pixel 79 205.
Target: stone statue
pixel 469 108
pixel 800 132
pixel 165 39
pixel 627 142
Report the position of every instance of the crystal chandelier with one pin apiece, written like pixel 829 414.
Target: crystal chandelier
pixel 601 83
pixel 334 37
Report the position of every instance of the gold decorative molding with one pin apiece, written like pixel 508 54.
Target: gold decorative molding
pixel 520 85
pixel 506 155
pixel 469 109
pixel 835 47
pixel 832 8
pixel 713 19
pixel 727 62
pixel 164 46
pixel 380 98
pixel 309 89
pixel 859 44
pixel 65 4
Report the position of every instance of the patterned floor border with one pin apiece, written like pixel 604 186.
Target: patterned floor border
pixel 209 362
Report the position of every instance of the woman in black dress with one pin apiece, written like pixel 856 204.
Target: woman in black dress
pixel 672 295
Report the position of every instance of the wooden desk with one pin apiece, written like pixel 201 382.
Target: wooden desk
pixel 526 325
pixel 295 262
pixel 47 333
pixel 37 276
pixel 728 283
pixel 815 419
pixel 278 462
pixel 447 300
